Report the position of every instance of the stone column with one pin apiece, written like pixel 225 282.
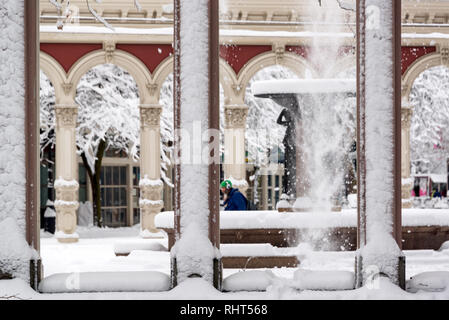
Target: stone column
pixel 66 184
pixel 150 169
pixel 234 140
pixel 407 181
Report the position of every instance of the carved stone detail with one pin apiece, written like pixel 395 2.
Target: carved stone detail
pixel 152 88
pixel 235 116
pixel 66 116
pixel 237 89
pixel 67 87
pixel 406 117
pixel 150 115
pixel 150 205
pixel 66 205
pixel 279 51
pixel 444 55
pixel 109 48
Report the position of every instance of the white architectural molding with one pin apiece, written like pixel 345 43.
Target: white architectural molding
pixel 419 66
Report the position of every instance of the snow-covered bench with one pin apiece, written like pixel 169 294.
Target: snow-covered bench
pixel 422 228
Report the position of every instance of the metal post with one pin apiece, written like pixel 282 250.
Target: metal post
pixel 31 23
pixel 397 83
pixel 214 124
pixel 396 209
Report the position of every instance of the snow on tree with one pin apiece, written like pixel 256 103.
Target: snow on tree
pixel 430 121
pixel 66 13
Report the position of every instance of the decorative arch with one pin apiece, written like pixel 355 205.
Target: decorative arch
pixel 161 73
pixel 120 58
pixel 227 77
pixel 292 61
pixel 418 67
pixel 54 71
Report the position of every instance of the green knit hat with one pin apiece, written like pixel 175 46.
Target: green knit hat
pixel 226 184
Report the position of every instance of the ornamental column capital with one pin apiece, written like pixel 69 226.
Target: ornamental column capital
pixel 150 115
pixel 235 116
pixel 66 115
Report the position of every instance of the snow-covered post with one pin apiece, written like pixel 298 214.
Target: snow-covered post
pixel 196 123
pixel 234 140
pixel 66 184
pixel 150 168
pixel 19 160
pixel 379 141
pixel 407 181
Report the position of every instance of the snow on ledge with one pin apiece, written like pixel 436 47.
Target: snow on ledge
pixel 60 183
pixel 143 281
pixel 63 235
pixel 288 220
pixel 303 86
pixel 146 182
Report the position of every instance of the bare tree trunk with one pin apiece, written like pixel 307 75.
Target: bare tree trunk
pixel 94 178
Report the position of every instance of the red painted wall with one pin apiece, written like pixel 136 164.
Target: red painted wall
pixel 411 54
pixel 67 54
pixel 238 56
pixel 150 54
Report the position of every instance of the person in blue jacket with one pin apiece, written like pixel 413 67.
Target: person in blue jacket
pixel 234 199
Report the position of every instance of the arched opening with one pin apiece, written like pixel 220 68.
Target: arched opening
pixel 264 142
pixel 108 139
pixel 429 143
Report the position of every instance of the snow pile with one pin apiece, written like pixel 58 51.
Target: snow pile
pixel 49 213
pixel 12 114
pixel 195 289
pixel 249 281
pixel 16 289
pixel 429 281
pixel 85 214
pixel 352 200
pixel 283 203
pixel 145 281
pixel 444 246
pixel 125 247
pixel 324 280
pixel 15 253
pixel 194 254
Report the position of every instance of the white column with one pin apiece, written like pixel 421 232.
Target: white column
pixel 234 140
pixel 150 169
pixel 66 184
pixel 407 181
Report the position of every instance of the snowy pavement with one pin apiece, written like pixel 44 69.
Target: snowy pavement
pixel 95 253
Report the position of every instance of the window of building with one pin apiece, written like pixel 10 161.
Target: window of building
pixel 114 202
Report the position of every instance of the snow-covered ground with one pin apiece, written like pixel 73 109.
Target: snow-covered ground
pixel 95 252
